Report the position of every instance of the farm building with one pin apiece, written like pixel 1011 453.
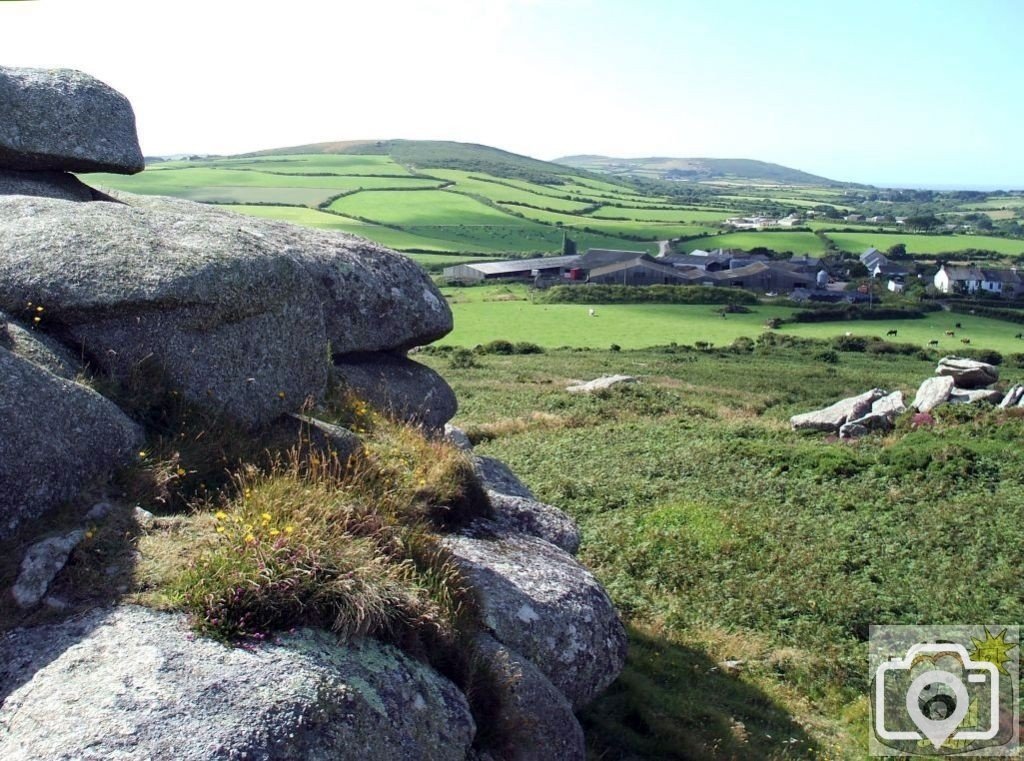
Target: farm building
pixel 761 276
pixel 998 282
pixel 512 269
pixel 602 257
pixel 643 270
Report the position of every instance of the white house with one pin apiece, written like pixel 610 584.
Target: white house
pixel 998 282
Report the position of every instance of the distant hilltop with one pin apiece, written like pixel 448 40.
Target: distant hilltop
pixel 697 169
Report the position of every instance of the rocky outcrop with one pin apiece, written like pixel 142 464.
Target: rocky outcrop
pixel 400 387
pixel 890 404
pixel 528 516
pixel 1014 397
pixel 538 721
pixel 831 418
pixel 37 347
pixel 60 185
pixel 55 437
pixel 537 600
pixel 60 119
pixel 134 683
pixel 599 384
pixel 970 396
pixel 236 312
pixel 968 373
pixel 40 566
pixel 497 476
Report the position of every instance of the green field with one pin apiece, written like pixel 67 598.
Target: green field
pixel 688 216
pixel 926 244
pixel 794 242
pixel 486 313
pixel 317 163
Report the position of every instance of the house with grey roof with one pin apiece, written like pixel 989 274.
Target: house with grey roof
pixel 979 280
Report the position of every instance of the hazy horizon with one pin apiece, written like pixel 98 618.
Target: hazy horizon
pixel 872 95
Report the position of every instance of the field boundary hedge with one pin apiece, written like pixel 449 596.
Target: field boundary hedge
pixel 646 294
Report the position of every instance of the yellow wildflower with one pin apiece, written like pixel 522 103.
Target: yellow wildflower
pixel 250 538
pixel 289 529
pixel 266 517
pixel 220 515
pixel 274 532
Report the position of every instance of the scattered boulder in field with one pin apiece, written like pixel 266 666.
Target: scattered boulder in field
pixel 832 417
pixel 396 385
pixel 889 405
pixel 599 384
pixel 497 476
pixel 1014 397
pixel 60 119
pixel 458 437
pixel 933 392
pixel 40 566
pixel 55 437
pixel 537 719
pixel 970 396
pixel 537 600
pixel 968 373
pixel 60 185
pixel 528 516
pixel 135 683
pixel 874 421
pixel 235 312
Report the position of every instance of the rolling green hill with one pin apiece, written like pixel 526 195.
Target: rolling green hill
pixel 696 169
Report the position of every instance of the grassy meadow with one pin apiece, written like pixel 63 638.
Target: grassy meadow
pixel 723 536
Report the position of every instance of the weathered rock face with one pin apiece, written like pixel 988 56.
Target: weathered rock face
pixel 47 185
pixel 41 564
pixel 538 719
pixel 38 348
pixel 407 390
pixel 874 421
pixel 497 476
pixel 528 516
pixel 539 601
pixel 970 396
pixel 55 436
pixel 968 373
pixel 1014 397
pixel 134 683
pixel 832 417
pixel 890 405
pixel 933 392
pixel 236 312
pixel 65 120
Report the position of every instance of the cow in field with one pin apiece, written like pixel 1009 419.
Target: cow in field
pixel 1019 335
pixel 965 340
pixel 592 312
pixel 891 333
pixel 933 342
pixel 950 333
pixel 958 326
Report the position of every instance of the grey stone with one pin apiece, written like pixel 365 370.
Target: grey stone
pixel 537 719
pixel 599 384
pixel 55 437
pixel 832 417
pixel 970 396
pixel 60 119
pixel 99 511
pixel 528 516
pixel 400 387
pixel 968 373
pixel 37 347
pixel 47 185
pixel 306 431
pixel 537 600
pixel 891 405
pixel 40 566
pixel 497 476
pixel 458 437
pixel 135 683
pixel 853 431
pixel 1013 397
pixel 236 312
pixel 933 392
pixel 143 517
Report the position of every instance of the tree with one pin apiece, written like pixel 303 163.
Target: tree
pixel 924 222
pixel 899 251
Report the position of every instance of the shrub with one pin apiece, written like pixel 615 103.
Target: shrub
pixel 851 343
pixel 463 358
pixel 829 357
pixel 497 346
pixel 652 294
pixel 990 356
pixel 614 347
pixel 526 347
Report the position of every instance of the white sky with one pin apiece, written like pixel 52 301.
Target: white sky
pixel 902 91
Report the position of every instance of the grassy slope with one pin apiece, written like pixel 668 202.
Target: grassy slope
pixel 796 242
pixel 723 535
pixel 926 244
